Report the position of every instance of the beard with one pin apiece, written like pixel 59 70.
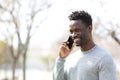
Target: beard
pixel 80 41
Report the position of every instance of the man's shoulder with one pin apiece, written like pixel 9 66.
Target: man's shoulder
pixel 74 57
pixel 103 54
pixel 74 54
pixel 100 53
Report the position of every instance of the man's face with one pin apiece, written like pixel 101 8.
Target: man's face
pixel 80 32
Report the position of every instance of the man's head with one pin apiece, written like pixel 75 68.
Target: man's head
pixel 81 27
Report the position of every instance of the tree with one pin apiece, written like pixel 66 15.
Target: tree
pixel 111 27
pixel 19 23
pixel 5 58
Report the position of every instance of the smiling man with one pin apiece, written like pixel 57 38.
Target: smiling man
pixel 90 62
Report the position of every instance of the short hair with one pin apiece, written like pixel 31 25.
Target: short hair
pixel 85 17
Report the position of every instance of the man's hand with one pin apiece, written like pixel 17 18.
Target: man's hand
pixel 64 50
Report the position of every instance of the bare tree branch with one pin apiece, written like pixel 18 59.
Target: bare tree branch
pixel 115 37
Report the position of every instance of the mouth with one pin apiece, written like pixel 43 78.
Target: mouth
pixel 76 39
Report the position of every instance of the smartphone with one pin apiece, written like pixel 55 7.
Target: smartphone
pixel 70 40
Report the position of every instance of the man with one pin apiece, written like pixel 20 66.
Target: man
pixel 91 62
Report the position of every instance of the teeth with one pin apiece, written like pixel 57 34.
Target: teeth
pixel 76 39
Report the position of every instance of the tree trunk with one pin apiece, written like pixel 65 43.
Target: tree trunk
pixel 14 69
pixel 24 66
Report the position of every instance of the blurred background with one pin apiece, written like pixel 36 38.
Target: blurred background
pixel 31 32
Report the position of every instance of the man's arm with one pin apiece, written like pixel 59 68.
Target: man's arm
pixel 107 69
pixel 58 72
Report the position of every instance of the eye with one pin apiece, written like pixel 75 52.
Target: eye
pixel 77 30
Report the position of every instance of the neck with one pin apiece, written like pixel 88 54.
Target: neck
pixel 88 46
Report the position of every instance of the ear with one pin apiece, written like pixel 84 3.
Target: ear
pixel 90 28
